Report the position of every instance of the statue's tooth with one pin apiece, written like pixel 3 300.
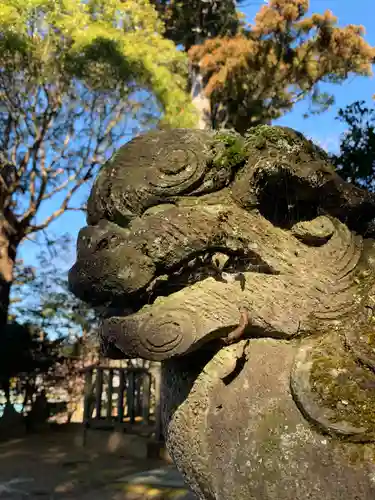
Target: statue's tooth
pixel 219 260
pixel 192 262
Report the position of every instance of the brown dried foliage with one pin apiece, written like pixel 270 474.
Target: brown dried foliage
pixel 260 74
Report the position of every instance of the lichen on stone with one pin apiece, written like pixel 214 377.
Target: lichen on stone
pixel 284 139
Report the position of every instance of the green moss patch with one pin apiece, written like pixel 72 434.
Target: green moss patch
pixel 343 385
pixel 228 149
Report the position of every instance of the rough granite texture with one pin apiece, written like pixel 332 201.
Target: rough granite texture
pixel 185 229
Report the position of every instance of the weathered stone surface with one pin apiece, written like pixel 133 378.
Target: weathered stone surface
pixel 186 228
pixel 248 440
pixel 315 232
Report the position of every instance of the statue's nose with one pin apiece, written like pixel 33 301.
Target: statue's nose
pixel 107 268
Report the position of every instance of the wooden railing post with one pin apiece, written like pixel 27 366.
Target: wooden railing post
pixel 87 403
pixel 130 396
pixel 98 392
pixel 145 397
pixel 159 436
pixel 109 394
pixel 120 400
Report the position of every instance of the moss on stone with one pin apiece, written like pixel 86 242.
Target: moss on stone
pixel 228 149
pixel 259 137
pixel 283 139
pixel 343 386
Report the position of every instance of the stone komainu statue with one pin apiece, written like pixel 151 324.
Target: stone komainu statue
pixel 245 265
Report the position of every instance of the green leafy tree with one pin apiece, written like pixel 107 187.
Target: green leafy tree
pixel 356 160
pixel 74 76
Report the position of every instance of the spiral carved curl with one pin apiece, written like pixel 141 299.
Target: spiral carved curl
pixel 175 172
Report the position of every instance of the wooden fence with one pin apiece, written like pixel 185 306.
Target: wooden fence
pixel 126 398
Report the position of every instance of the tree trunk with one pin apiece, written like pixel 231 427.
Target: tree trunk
pixel 8 251
pixel 199 99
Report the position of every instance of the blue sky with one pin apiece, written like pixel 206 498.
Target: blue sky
pixel 324 129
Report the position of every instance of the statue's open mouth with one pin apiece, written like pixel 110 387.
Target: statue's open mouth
pixel 216 263
pixel 167 296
